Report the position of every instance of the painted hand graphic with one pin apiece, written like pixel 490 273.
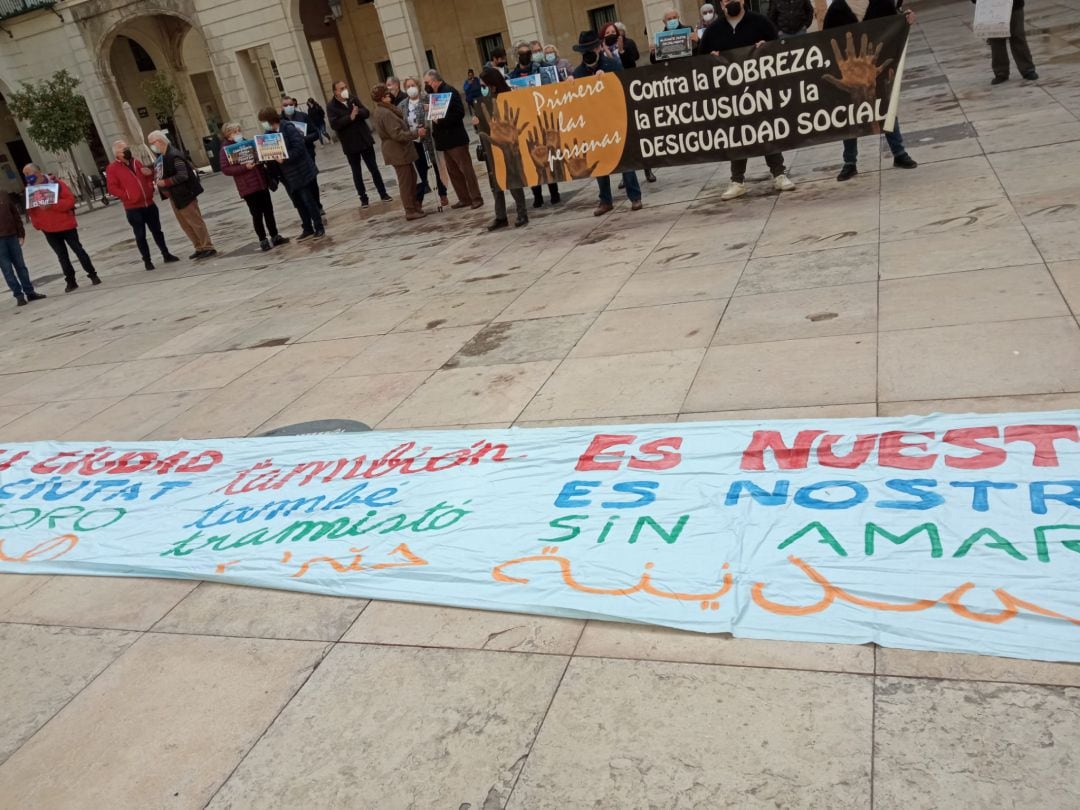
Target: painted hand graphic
pixel 579 167
pixel 543 147
pixel 859 70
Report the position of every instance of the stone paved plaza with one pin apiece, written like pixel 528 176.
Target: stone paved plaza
pixel 954 287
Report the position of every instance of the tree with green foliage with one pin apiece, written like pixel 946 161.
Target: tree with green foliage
pixel 56 116
pixel 164 98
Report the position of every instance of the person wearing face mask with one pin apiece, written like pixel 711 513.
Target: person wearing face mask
pixel 628 49
pixel 498 60
pixel 791 17
pixel 348 118
pixel 133 184
pixel 471 89
pixel 291 112
pixel 452 140
pixel 398 149
pixel 552 59
pixel 317 116
pixel 58 223
pixel 708 17
pixel 496 85
pixel 414 108
pixel 671 22
pixel 612 41
pixel 743 29
pixel 297 171
pixel 254 188
pixel 178 182
pixel 525 65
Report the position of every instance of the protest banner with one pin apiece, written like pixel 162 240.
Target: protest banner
pixel 949 533
pixel 673 44
pixel 240 152
pixel 271 146
pixel 786 94
pixel 41 195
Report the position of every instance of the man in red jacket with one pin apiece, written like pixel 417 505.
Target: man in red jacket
pixel 133 184
pixel 57 222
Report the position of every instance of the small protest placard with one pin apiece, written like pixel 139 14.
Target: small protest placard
pixel 42 195
pixel 271 146
pixel 522 82
pixel 241 152
pixel 992 18
pixel 440 103
pixel 300 125
pixel 674 44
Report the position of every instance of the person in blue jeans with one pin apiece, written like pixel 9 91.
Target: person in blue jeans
pixel 595 61
pixel 12 235
pixel 839 14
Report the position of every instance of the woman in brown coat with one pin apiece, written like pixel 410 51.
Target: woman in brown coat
pixel 397 147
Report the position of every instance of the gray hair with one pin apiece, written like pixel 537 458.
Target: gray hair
pixel 433 74
pixel 621 27
pixel 34 166
pixel 157 135
pixel 230 126
pixel 708 6
pixel 393 79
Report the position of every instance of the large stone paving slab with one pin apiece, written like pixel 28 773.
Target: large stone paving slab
pixel 648 734
pixel 400 727
pixel 162 727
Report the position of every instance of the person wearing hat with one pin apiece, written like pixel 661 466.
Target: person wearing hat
pixel 595 62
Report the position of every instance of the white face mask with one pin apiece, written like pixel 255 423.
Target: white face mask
pixel 344 95
pixel 708 17
pixel 413 92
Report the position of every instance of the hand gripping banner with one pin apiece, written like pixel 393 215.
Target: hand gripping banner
pixel 949 533
pixel 789 93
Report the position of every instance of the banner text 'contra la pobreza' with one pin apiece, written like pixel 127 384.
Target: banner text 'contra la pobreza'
pixel 951 533
pixel 799 91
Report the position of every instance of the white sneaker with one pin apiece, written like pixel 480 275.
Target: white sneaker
pixel 733 191
pixel 783 183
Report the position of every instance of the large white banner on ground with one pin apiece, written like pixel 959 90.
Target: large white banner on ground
pixel 951 533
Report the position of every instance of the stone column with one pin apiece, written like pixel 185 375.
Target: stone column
pixel 402 34
pixel 525 20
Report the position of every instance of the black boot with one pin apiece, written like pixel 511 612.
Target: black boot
pixel 168 258
pixel 149 265
pixel 279 240
pixel 94 280
pixel 20 301
pixel 847 172
pixel 36 296
pixel 499 223
pixel 522 219
pixel 538 199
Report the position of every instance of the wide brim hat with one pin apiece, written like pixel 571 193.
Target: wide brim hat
pixel 587 41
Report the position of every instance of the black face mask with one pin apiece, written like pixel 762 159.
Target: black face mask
pixel 127 154
pixel 524 58
pixel 733 9
pixel 590 57
pixel 611 39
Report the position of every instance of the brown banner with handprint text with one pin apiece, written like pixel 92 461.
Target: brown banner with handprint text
pixel 794 92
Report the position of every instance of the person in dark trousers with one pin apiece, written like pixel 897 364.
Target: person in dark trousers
pixel 791 17
pixel 496 84
pixel 452 139
pixel 317 116
pixel 178 182
pixel 12 236
pixel 133 184
pixel 1017 43
pixel 739 28
pixel 298 173
pixel 840 14
pixel 471 89
pixel 348 118
pixel 57 221
pixel 254 188
pixel 292 113
pixel 595 61
pixel 414 108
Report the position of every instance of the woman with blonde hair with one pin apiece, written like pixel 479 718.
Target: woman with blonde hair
pixel 398 147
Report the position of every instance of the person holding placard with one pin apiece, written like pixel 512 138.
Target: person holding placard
pixel 254 188
pixel 298 172
pixel 452 139
pixel 495 83
pixel 398 148
pixel 1017 43
pixel 57 221
pixel 415 110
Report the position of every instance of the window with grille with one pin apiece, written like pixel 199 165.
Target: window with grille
pixel 599 17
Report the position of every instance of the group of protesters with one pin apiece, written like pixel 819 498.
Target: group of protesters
pixel 414 143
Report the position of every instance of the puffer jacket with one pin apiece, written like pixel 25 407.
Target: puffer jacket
pixel 129 185
pixel 248 181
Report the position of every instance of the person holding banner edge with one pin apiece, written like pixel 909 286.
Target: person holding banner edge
pixel 743 29
pixel 840 14
pixel 495 83
pixel 595 63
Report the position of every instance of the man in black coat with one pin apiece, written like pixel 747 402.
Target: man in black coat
pixel 348 118
pixel 452 139
pixel 740 28
pixel 292 113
